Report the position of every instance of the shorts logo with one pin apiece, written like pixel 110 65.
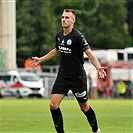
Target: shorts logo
pixel 69 42
pixel 80 94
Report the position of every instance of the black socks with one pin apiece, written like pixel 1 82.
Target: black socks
pixel 58 120
pixel 90 114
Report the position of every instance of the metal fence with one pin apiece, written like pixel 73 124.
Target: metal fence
pixel 49 79
pixel 48 84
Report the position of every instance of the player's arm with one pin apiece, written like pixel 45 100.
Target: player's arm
pixel 96 63
pixel 38 60
pixel 53 53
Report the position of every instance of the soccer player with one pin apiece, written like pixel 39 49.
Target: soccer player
pixel 70 45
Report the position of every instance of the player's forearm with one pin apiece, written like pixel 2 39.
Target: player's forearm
pixel 93 59
pixel 53 53
pixel 95 62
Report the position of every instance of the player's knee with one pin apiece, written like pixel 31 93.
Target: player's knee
pixel 84 107
pixel 53 105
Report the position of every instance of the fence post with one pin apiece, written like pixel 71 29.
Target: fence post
pixel 46 87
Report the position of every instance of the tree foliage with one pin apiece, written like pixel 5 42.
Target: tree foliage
pixel 38 21
pixel 35 29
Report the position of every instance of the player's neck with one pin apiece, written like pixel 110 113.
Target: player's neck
pixel 67 30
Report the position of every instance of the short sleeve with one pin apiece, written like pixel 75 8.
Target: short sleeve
pixel 57 42
pixel 83 42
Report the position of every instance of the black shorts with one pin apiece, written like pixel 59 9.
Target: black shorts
pixel 78 86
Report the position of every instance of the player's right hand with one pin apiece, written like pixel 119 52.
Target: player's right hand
pixel 36 61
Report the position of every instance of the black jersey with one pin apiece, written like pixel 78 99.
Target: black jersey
pixel 71 48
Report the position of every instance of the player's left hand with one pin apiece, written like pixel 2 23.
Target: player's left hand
pixel 101 72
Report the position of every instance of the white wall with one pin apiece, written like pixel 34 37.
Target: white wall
pixel 8 35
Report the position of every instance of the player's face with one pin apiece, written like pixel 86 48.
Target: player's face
pixel 67 19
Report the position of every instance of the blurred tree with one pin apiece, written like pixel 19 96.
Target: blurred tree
pixel 102 23
pixel 35 29
pixel 130 16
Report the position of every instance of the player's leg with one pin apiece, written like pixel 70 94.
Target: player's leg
pixel 56 112
pixel 82 98
pixel 55 100
pixel 80 92
pixel 90 114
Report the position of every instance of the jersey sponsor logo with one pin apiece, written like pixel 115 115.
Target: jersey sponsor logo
pixel 69 42
pixel 80 94
pixel 64 49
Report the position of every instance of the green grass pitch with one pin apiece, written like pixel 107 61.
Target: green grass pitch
pixel 33 116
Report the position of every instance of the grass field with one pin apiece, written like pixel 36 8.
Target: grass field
pixel 33 116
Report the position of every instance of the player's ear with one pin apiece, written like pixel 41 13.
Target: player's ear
pixel 74 20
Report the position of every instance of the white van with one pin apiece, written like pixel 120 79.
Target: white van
pixel 21 85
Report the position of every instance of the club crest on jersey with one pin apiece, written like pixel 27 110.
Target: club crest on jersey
pixel 69 42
